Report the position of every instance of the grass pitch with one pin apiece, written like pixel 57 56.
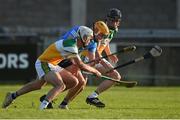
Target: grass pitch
pixel 121 103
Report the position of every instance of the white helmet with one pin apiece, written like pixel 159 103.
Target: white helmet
pixel 85 31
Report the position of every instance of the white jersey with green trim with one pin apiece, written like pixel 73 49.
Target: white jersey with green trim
pixel 60 50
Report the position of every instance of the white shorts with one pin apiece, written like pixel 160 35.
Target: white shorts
pixel 43 68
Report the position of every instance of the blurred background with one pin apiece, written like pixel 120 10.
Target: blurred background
pixel 27 27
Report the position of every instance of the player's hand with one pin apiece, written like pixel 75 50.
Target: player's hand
pixel 113 58
pixel 98 74
pixel 97 60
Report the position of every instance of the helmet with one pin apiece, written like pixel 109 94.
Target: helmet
pixel 114 13
pixel 102 27
pixel 85 31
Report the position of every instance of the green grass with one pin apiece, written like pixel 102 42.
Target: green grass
pixel 138 102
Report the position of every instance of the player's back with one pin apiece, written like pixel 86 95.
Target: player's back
pixel 58 51
pixel 71 34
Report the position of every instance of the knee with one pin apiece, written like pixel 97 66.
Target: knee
pixel 116 75
pixel 82 83
pixel 75 82
pixel 60 87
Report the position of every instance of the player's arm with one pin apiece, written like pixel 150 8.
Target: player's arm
pixel 113 58
pixel 92 54
pixel 107 50
pixel 85 67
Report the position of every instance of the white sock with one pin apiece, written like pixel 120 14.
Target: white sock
pixel 93 95
pixel 43 105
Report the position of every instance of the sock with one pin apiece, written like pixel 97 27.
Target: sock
pixel 44 104
pixel 14 95
pixel 93 95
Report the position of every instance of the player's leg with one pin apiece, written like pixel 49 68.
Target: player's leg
pixel 61 80
pixel 93 97
pixel 34 85
pixel 73 92
pixel 31 86
pixel 58 86
pixel 69 80
pixel 81 89
pixel 106 84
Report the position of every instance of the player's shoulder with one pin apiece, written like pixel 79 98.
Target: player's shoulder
pixel 70 45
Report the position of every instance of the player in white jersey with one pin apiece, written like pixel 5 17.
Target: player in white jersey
pixel 49 72
pixel 100 31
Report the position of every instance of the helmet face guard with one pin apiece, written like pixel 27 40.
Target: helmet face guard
pixel 100 36
pixel 85 31
pixel 83 43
